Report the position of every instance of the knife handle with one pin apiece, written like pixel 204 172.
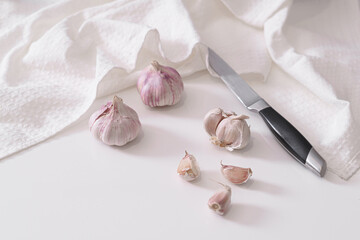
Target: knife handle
pixel 293 141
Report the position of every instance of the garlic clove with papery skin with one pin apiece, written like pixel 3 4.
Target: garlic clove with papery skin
pixel 232 133
pixel 220 201
pixel 213 118
pixel 236 175
pixel 115 123
pixel 188 168
pixel 160 85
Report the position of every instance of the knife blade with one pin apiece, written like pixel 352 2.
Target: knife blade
pixel 286 134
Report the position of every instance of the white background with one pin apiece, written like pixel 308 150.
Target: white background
pixel 74 187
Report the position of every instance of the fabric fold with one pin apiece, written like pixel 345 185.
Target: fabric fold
pixel 315 45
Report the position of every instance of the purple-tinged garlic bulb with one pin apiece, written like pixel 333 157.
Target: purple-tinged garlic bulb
pixel 115 123
pixel 226 129
pixel 188 168
pixel 220 201
pixel 213 118
pixel 160 85
pixel 236 175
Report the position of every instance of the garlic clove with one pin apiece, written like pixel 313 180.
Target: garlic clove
pixel 236 175
pixel 220 201
pixel 213 118
pixel 232 133
pixel 188 168
pixel 160 85
pixel 105 108
pixel 115 123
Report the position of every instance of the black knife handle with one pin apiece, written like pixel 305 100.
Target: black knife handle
pixel 288 136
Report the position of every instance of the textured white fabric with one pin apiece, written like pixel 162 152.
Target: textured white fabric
pixel 317 43
pixel 56 57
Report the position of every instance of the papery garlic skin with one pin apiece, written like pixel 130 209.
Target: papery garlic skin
pixel 160 85
pixel 220 201
pixel 188 168
pixel 213 118
pixel 236 175
pixel 115 123
pixel 232 133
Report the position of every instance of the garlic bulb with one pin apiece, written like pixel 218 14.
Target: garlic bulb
pixel 115 123
pixel 160 85
pixel 213 118
pixel 235 174
pixel 220 201
pixel 188 168
pixel 227 129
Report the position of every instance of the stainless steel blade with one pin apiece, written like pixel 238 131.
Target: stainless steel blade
pixel 235 83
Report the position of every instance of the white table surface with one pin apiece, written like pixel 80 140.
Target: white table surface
pixel 74 187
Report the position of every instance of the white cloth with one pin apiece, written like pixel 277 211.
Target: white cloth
pixel 318 45
pixel 57 57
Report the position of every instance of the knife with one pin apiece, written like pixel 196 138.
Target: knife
pixel 287 135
